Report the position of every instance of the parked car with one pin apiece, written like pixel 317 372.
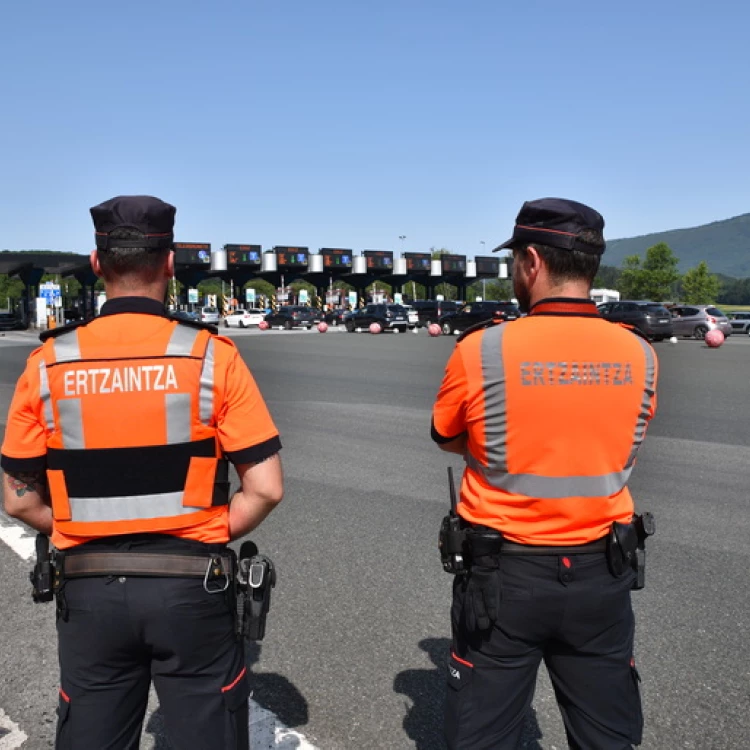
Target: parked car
pixel 651 318
pixel 209 315
pixel 390 318
pixel 9 321
pixel 740 321
pixel 477 312
pixel 411 315
pixel 335 317
pixel 242 318
pixel 431 310
pixel 293 316
pixel 185 315
pixel 698 320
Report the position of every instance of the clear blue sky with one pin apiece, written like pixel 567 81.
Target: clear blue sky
pixel 333 123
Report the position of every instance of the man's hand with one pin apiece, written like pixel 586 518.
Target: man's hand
pixel 27 498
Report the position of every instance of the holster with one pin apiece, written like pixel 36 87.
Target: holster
pixel 256 576
pixel 626 547
pixel 44 576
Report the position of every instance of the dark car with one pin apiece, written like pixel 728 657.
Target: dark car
pixel 186 315
pixel 293 316
pixel 651 318
pixel 477 312
pixel 390 318
pixel 335 317
pixel 431 310
pixel 9 321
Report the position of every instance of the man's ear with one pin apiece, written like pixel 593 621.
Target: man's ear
pixel 170 265
pixel 95 266
pixel 533 263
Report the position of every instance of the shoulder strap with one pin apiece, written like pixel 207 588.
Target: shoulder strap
pixel 480 327
pixel 53 333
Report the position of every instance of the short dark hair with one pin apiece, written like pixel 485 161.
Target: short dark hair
pixel 116 262
pixel 570 265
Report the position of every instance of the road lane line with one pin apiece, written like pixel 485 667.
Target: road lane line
pixel 266 731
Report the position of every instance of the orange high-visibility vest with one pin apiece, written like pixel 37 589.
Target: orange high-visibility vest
pixel 555 409
pixel 133 444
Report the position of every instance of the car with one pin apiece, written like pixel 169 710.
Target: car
pixel 242 318
pixel 389 317
pixel 650 318
pixel 412 316
pixel 209 315
pixel 9 321
pixel 431 310
pixel 185 315
pixel 740 321
pixel 335 317
pixel 477 312
pixel 293 316
pixel 697 320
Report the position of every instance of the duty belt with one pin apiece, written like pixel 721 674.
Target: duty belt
pixel 484 541
pixel 164 564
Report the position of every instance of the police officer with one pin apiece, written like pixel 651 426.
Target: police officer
pixel 548 412
pixel 116 445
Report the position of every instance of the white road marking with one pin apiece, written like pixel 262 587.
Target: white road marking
pixel 266 731
pixel 11 736
pixel 18 538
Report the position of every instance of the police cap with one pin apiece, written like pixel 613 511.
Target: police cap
pixel 152 217
pixel 556 222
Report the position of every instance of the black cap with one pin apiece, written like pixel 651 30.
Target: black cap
pixel 556 222
pixel 150 216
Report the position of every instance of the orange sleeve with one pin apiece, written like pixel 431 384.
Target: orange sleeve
pixel 247 432
pixel 25 443
pixel 449 411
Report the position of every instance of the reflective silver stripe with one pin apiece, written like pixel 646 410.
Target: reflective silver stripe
pixel 179 416
pixel 128 507
pixel 44 396
pixel 207 385
pixel 67 348
pixel 649 390
pixel 182 341
pixel 495 399
pixel 71 423
pixel 552 488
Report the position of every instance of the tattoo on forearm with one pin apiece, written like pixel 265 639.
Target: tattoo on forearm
pixel 23 483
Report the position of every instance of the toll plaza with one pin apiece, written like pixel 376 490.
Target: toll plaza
pixel 282 265
pixel 237 264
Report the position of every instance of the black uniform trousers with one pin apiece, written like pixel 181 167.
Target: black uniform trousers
pixel 568 611
pixel 120 633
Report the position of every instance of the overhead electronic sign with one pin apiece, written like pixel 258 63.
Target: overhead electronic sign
pixel 488 266
pixel 291 257
pixel 243 255
pixel 379 260
pixel 334 257
pixel 453 263
pixel 193 253
pixel 418 261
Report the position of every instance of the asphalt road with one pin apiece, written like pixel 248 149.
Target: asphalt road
pixel 359 624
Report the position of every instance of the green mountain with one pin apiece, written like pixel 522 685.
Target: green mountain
pixel 724 245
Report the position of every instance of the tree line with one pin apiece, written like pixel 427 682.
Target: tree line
pixel 656 277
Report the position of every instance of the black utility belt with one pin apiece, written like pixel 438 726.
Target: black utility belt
pixel 147 564
pixel 481 543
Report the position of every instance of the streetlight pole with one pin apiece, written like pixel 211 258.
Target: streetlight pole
pixel 484 281
pixel 402 237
